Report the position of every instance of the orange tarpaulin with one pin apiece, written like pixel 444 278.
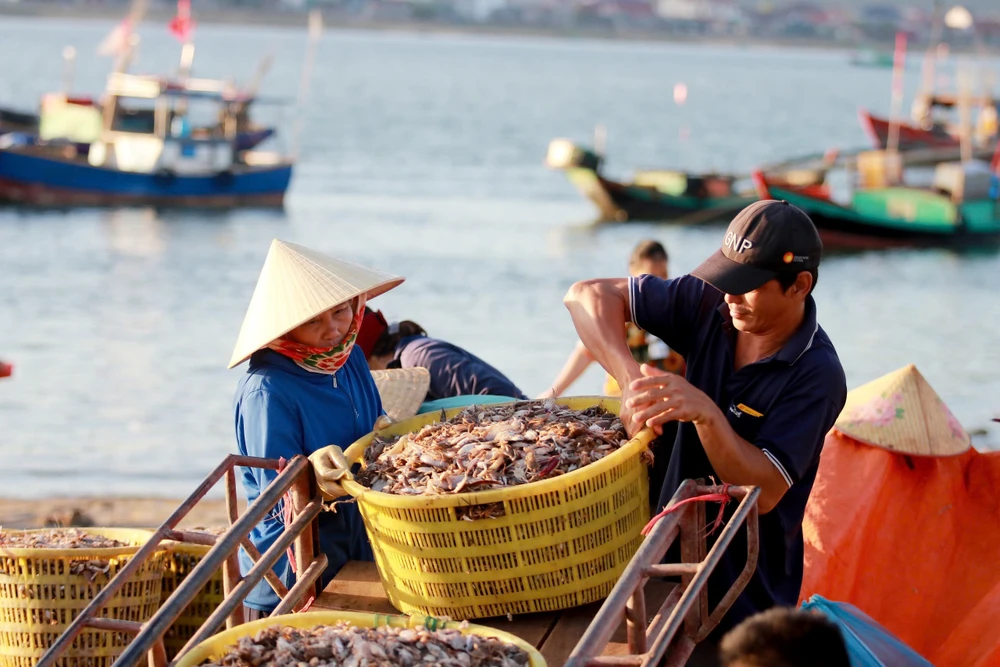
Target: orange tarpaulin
pixel 912 541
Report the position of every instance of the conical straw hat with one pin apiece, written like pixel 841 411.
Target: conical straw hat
pixel 295 285
pixel 403 390
pixel 902 413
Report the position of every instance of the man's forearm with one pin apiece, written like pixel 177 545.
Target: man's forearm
pixel 599 310
pixel 738 461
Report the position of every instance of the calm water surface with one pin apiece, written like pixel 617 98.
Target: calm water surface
pixel 422 155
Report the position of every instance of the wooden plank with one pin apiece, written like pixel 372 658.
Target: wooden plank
pixel 532 628
pixel 357 587
pixel 574 623
pixel 567 632
pixel 357 578
pixel 337 602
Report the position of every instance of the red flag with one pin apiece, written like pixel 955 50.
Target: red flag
pixel 182 26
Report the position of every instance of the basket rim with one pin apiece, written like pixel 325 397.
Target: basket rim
pixel 355 452
pixel 305 620
pixel 130 534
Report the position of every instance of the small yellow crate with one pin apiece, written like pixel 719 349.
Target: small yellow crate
pixel 181 559
pixel 222 642
pixel 562 542
pixel 40 597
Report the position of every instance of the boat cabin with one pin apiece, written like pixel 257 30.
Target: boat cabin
pixel 925 113
pixel 151 125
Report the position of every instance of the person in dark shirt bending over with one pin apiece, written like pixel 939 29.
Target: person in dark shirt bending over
pixel 454 371
pixel 763 384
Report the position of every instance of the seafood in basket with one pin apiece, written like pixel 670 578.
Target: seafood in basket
pixel 493 446
pixel 347 645
pixel 65 538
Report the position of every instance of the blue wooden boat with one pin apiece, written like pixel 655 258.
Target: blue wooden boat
pixel 132 164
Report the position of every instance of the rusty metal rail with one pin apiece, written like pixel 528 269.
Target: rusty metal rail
pixel 295 478
pixel 687 605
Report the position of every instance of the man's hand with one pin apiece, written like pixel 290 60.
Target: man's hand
pixel 627 412
pixel 660 397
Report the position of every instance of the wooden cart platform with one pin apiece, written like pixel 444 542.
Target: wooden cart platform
pixel 357 588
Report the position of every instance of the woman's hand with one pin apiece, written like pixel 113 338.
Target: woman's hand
pixel 330 467
pixel 660 397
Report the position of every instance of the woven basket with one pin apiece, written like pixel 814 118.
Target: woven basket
pixel 39 598
pixel 219 644
pixel 562 542
pixel 181 559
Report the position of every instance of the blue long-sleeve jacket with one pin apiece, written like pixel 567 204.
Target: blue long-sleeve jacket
pixel 282 410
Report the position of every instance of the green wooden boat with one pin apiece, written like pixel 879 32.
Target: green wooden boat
pixel 960 209
pixel 666 195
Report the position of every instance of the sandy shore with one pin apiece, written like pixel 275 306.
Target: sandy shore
pixel 107 512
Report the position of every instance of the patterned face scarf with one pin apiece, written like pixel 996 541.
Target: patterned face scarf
pixel 320 360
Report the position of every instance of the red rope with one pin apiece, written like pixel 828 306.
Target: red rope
pixel 722 498
pixel 286 518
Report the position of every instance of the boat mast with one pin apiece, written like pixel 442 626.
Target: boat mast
pixel 124 59
pixel 315 31
pixel 931 57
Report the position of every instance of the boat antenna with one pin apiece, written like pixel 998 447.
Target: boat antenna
pixel 965 114
pixel 315 31
pixel 262 69
pixel 600 140
pixel 69 56
pixel 136 13
pixel 931 58
pixel 898 63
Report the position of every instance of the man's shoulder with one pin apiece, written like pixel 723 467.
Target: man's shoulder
pixel 821 364
pixel 649 293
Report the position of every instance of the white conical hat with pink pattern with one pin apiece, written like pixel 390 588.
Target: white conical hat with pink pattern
pixel 902 413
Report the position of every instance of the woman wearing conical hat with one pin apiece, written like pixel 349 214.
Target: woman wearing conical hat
pixel 307 386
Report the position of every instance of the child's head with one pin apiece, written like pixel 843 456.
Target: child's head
pixel 784 637
pixel 649 257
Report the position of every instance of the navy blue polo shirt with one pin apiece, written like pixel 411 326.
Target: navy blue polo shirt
pixel 784 405
pixel 454 371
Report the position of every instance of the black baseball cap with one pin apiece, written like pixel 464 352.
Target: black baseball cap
pixel 766 239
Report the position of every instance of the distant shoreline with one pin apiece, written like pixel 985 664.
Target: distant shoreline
pixel 290 20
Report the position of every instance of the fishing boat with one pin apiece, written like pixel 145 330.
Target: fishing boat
pixel 932 128
pixel 13 120
pixel 131 163
pixel 872 58
pixel 61 125
pixel 679 197
pixel 959 207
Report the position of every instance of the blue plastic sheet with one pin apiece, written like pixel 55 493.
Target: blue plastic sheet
pixel 868 643
pixel 462 401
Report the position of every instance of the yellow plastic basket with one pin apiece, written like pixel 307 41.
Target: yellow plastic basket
pixel 562 542
pixel 181 559
pixel 222 642
pixel 39 598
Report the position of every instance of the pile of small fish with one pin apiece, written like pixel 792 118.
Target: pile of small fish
pixel 345 645
pixel 488 447
pixel 65 539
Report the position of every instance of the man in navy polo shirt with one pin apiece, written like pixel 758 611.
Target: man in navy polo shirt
pixel 763 383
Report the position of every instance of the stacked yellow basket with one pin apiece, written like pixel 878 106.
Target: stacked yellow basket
pixel 562 542
pixel 40 597
pixel 181 559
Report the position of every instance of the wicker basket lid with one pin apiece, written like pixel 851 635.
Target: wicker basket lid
pixel 902 413
pixel 403 390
